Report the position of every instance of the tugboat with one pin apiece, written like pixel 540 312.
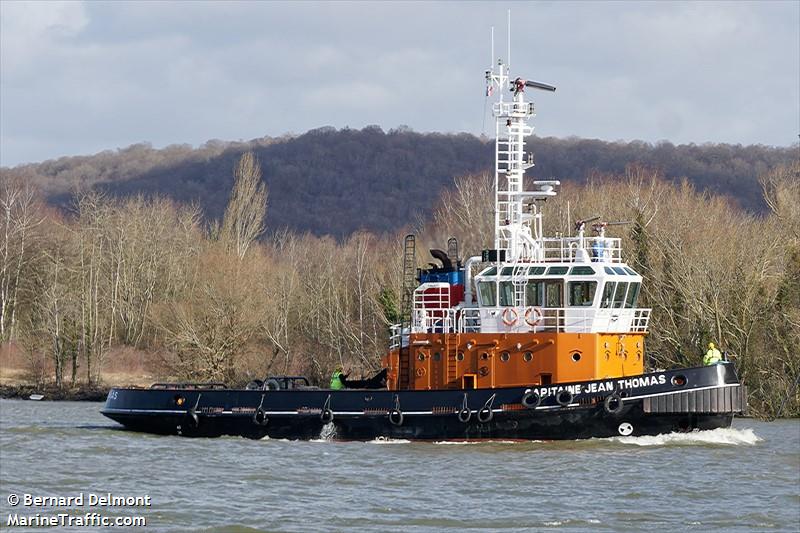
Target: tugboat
pixel 537 338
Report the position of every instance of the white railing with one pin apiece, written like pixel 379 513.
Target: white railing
pixel 568 250
pixel 564 319
pixel 513 109
pixel 469 321
pixel 523 320
pixel 397 337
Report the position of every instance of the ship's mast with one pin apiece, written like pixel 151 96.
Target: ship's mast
pixel 518 233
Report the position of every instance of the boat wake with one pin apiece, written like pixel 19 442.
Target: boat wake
pixel 720 436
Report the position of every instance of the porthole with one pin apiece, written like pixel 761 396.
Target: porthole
pixel 527 357
pixel 460 356
pixel 421 356
pixel 437 356
pixel 484 356
pixel 576 356
pixel 505 356
pixel 679 380
pixel 179 400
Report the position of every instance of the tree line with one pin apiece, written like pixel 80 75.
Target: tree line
pixel 380 181
pixel 234 298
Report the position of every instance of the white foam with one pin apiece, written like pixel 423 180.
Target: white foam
pixel 481 442
pixel 723 436
pixel 387 440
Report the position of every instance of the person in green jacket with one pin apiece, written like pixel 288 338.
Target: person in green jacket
pixel 713 356
pixel 337 381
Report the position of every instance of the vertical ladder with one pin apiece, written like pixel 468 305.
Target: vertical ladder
pixel 519 279
pixel 406 301
pixel 451 353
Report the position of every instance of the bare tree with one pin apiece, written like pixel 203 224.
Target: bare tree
pixel 243 222
pixel 20 218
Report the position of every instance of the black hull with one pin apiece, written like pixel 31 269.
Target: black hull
pixel 708 398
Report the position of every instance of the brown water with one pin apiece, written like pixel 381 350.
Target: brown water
pixel 742 479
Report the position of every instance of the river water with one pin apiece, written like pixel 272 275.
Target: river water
pixel 746 478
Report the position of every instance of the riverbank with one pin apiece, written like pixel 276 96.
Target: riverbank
pixel 94 393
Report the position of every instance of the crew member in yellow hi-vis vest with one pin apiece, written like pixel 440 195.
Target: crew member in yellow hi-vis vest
pixel 713 356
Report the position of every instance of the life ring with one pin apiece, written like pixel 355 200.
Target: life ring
pixel 510 316
pixel 613 404
pixel 420 372
pixel 260 417
pixel 537 313
pixel 272 384
pixel 396 417
pixel 531 399
pixel 564 397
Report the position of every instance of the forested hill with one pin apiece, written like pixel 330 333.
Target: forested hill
pixel 330 181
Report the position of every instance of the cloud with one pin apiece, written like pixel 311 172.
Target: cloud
pixel 83 77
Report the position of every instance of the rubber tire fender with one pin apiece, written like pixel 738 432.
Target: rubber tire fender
pixel 192 418
pixel 564 397
pixel 464 414
pixel 396 417
pixel 616 399
pixel 256 384
pixel 260 417
pixel 531 399
pixel 487 417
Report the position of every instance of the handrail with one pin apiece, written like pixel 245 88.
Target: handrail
pixel 559 319
pixel 201 386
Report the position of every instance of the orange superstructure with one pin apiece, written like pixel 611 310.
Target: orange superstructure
pixel 479 360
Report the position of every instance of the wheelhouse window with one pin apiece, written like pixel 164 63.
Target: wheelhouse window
pixel 557 271
pixel 534 292
pixel 582 271
pixel 553 291
pixel 608 294
pixel 506 294
pixel 488 293
pixel 619 294
pixel 581 293
pixel 633 295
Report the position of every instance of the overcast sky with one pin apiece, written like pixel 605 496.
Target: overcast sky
pixel 78 78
